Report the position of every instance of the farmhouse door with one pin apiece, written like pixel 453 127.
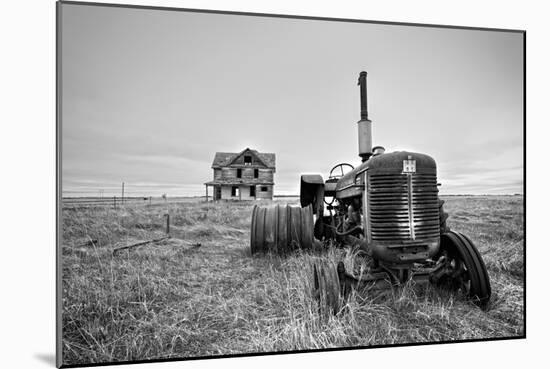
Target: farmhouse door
pixel 252 191
pixel 217 192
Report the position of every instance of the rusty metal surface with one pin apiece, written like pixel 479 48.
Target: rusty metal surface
pixel 362 82
pixel 281 229
pixel 312 191
pixel 352 183
pixel 403 207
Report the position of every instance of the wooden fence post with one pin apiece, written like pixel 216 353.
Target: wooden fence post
pixel 167 223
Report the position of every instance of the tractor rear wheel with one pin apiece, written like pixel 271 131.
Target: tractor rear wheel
pixel 281 229
pixel 467 271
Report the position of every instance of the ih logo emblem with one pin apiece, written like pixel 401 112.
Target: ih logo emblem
pixel 409 165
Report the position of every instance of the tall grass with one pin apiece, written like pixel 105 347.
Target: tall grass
pixel 173 300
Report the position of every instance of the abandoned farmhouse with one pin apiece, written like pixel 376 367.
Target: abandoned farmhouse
pixel 247 175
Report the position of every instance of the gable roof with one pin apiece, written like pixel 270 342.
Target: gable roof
pixel 223 159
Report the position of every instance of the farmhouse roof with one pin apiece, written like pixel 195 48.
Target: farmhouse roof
pixel 223 159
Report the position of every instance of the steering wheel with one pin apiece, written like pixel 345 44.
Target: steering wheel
pixel 334 176
pixel 339 167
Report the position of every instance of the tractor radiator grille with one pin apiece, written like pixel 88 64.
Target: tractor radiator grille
pixel 403 207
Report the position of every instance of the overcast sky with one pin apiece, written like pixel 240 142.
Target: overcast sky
pixel 149 96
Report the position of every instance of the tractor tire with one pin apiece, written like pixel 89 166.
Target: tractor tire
pixel 326 286
pixel 469 271
pixel 443 215
pixel 281 229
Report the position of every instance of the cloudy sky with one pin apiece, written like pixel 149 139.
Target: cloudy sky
pixel 149 96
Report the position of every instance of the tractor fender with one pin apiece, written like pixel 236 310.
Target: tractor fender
pixel 312 192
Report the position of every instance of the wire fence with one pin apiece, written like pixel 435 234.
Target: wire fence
pixel 113 201
pixel 118 201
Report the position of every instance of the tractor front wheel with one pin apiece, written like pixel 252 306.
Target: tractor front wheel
pixel 465 269
pixel 326 286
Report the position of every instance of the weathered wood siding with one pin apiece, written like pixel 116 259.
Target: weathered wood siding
pixel 264 175
pixel 264 195
pixel 247 173
pixel 229 173
pixel 245 193
pixel 226 193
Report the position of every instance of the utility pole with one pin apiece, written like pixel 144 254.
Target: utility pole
pixel 122 199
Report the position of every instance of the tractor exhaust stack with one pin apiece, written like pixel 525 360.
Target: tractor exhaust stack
pixel 364 126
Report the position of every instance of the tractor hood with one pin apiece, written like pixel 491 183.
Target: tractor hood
pixel 351 184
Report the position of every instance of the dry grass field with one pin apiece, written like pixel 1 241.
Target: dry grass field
pixel 175 300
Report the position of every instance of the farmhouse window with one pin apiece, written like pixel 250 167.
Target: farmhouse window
pixel 252 191
pixel 256 173
pixel 239 173
pixel 235 191
pixel 264 189
pixel 248 159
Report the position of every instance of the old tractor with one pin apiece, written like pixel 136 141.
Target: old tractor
pixel 388 208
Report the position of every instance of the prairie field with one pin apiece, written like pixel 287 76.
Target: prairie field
pixel 176 299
